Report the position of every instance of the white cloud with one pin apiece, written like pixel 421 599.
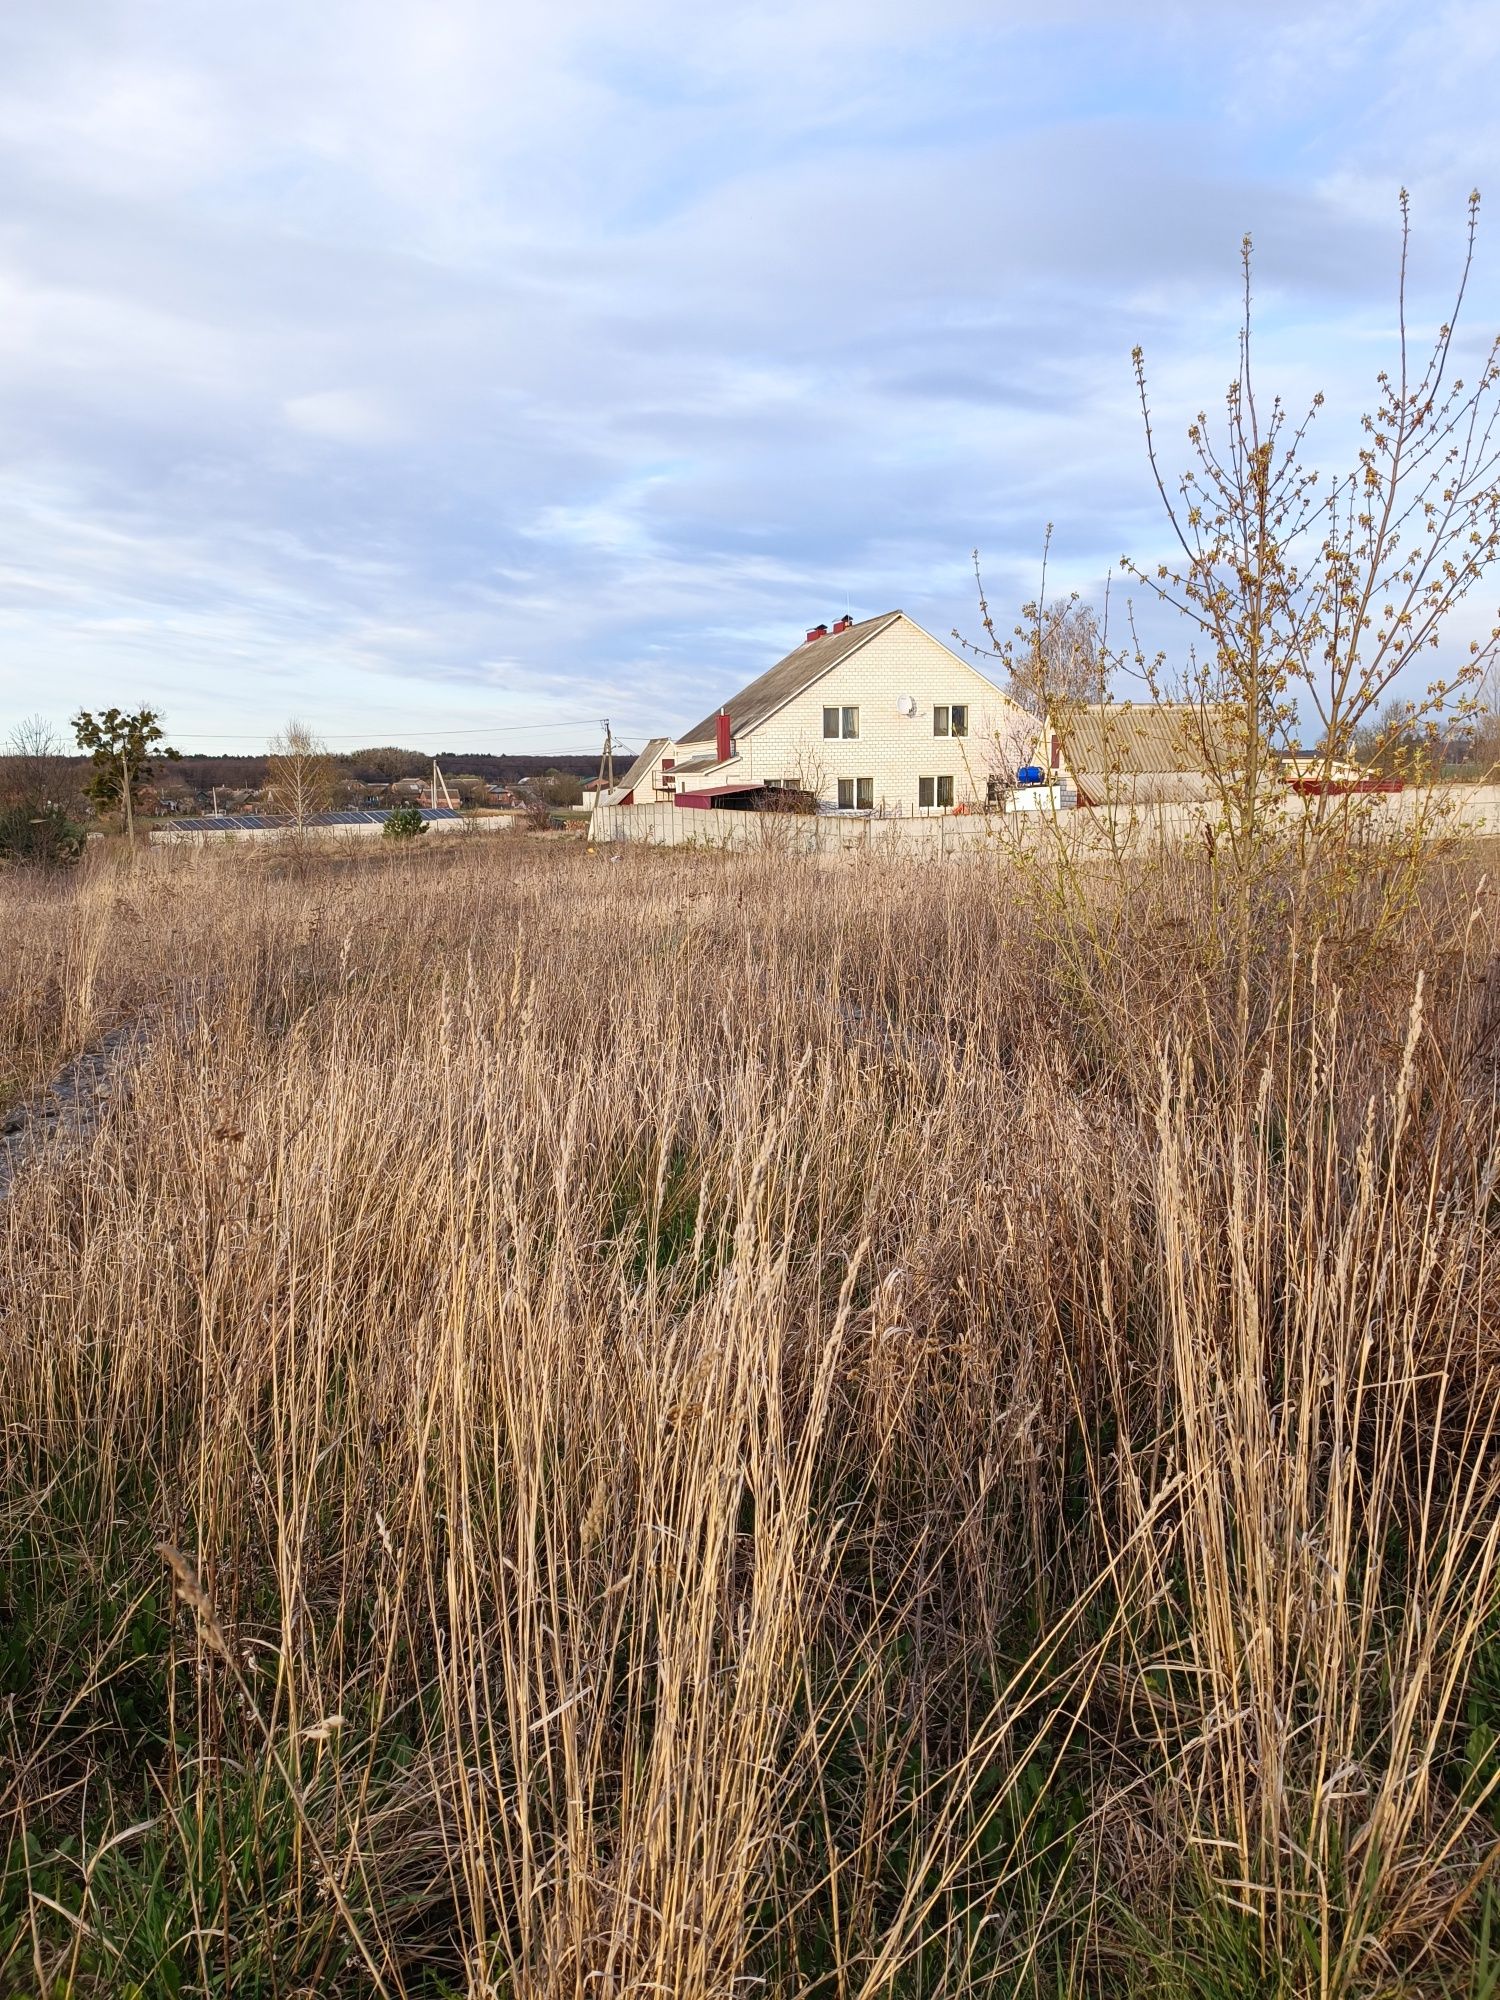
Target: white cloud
pixel 424 354
pixel 342 415
pixel 141 129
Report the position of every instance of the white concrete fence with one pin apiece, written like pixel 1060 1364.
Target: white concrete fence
pixel 468 826
pixel 1470 811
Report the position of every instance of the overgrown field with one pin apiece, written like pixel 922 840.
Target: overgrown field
pixel 687 1427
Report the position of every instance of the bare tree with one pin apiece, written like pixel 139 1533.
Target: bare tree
pixel 536 807
pixel 1308 596
pixel 1055 657
pixel 1012 743
pixel 41 795
pixel 558 788
pixel 805 776
pixel 35 769
pixel 301 776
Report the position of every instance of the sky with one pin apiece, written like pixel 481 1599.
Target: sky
pixel 463 372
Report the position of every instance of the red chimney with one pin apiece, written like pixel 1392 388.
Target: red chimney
pixel 721 735
pixel 817 632
pixel 843 624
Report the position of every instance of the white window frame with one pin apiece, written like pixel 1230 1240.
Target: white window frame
pixel 946 718
pixel 936 784
pixel 845 725
pixel 861 793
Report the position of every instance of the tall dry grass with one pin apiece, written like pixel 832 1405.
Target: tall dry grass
pixel 685 1426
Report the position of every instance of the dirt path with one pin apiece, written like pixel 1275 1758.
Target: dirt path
pixel 71 1106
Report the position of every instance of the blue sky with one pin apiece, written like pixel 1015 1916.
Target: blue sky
pixel 448 372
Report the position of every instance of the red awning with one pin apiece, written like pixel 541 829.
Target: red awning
pixel 707 795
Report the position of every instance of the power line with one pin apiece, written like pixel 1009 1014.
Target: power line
pixel 425 729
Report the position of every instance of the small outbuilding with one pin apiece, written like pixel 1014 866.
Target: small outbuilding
pixel 1141 752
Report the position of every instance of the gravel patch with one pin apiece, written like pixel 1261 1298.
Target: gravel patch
pixel 70 1108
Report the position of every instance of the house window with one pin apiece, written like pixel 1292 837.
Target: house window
pixel 856 794
pixel 840 722
pixel 952 720
pixel 935 792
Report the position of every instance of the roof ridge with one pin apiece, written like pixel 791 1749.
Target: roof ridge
pixel 785 680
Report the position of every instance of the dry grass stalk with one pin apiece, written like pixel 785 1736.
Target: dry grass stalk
pixel 844 1430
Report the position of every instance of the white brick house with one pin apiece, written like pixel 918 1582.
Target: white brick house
pixel 874 717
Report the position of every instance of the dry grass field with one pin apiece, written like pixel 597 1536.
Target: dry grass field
pixel 695 1427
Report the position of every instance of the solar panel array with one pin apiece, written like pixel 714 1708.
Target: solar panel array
pixel 264 822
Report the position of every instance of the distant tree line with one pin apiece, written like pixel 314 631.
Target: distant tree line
pixel 384 764
pixel 49 793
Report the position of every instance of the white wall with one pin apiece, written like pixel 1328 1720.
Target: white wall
pixel 893 749
pixel 1455 812
pixel 476 823
pixel 644 792
pixel 930 836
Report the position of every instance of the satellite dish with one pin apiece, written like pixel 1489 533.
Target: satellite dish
pixel 905 705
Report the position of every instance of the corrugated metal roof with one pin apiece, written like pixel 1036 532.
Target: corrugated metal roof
pixel 1145 788
pixel 789 677
pixel 1140 738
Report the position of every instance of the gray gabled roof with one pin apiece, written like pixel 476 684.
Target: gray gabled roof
pixel 789 677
